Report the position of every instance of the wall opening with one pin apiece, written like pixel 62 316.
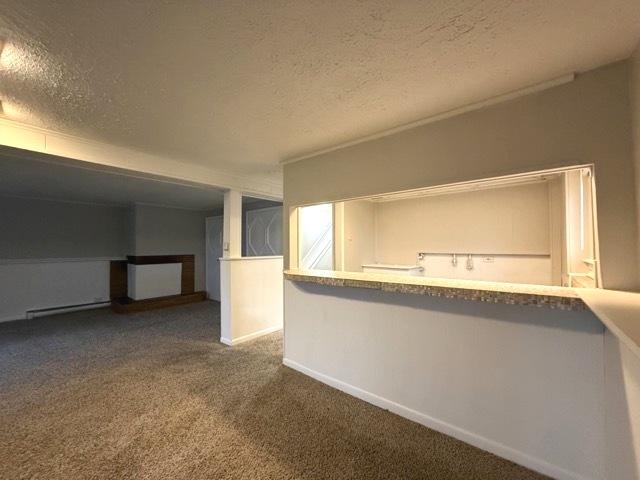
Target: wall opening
pixel 534 228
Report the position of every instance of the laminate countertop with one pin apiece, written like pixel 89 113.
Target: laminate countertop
pixel 492 292
pixel 619 311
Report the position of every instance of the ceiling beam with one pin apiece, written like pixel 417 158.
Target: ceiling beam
pixel 95 155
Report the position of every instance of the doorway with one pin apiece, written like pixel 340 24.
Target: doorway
pixel 214 252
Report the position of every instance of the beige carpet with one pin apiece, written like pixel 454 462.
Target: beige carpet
pixel 94 395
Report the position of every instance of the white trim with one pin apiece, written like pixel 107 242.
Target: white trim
pixel 31 315
pixel 56 310
pixel 188 209
pixel 121 205
pixel 22 261
pixel 440 116
pixel 466 184
pixel 466 436
pixel 40 198
pixel 236 259
pixel 251 336
pixel 473 185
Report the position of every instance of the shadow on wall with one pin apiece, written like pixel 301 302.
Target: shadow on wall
pixel 622 404
pixel 288 411
pixel 483 310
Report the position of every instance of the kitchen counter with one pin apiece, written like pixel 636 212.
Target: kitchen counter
pixel 619 311
pixel 492 292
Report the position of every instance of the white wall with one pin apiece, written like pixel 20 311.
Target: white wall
pixel 535 269
pixel 509 220
pixel 522 382
pixel 555 359
pixel 155 280
pixel 623 367
pixel 508 229
pixel 358 234
pixel 622 403
pixel 35 284
pixel 251 290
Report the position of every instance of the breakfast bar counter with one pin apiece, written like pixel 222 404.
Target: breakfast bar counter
pixel 492 292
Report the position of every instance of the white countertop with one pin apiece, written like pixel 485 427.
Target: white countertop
pixel 619 311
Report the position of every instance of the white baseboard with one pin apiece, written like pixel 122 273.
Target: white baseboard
pixel 56 311
pixel 471 438
pixel 12 319
pixel 77 308
pixel 250 336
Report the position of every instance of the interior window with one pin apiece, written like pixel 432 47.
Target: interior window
pixel 533 228
pixel 316 237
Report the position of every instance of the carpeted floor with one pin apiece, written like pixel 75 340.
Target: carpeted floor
pixel 156 396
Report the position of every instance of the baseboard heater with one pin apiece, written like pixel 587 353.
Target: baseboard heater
pixel 37 312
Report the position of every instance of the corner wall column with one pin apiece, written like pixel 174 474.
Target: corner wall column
pixel 231 249
pixel 232 229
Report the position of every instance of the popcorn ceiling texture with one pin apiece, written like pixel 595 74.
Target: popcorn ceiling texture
pixel 242 85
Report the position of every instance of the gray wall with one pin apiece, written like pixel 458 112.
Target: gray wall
pixel 50 229
pixel 171 231
pixel 635 111
pixel 585 121
pixel 43 229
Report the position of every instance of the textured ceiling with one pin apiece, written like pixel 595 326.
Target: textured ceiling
pixel 22 176
pixel 242 85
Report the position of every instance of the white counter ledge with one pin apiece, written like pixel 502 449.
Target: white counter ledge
pixel 619 311
pixel 492 292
